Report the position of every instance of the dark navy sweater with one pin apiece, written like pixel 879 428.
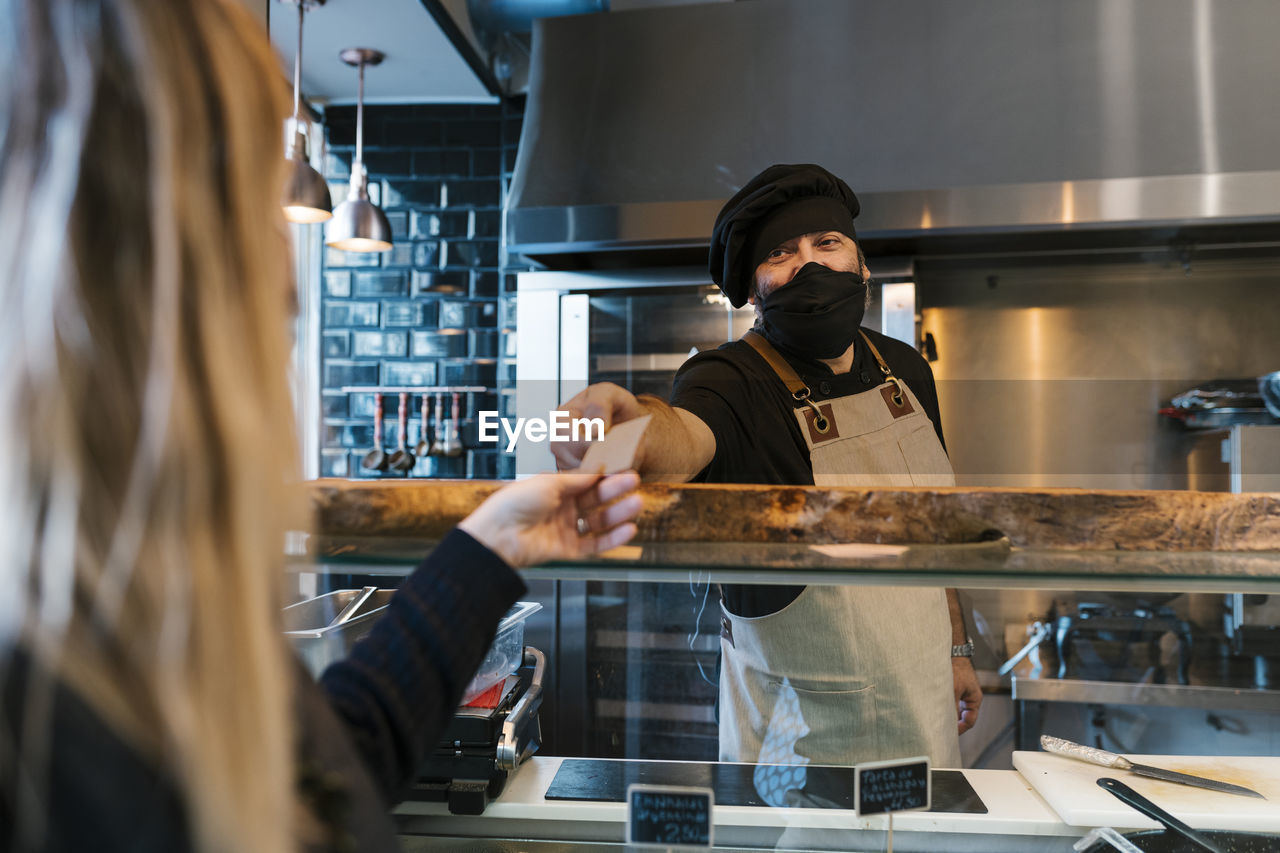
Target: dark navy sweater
pixel 363 730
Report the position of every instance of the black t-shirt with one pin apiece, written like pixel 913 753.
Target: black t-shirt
pixel 735 392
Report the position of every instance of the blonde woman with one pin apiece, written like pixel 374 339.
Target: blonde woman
pixel 146 447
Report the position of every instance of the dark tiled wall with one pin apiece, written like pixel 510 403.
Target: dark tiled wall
pixel 434 310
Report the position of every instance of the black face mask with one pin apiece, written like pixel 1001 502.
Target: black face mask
pixel 816 314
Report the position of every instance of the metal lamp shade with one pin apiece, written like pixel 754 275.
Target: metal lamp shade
pixel 358 225
pixel 306 195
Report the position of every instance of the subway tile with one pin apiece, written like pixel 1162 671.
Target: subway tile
pixel 482 464
pixel 381 284
pixel 362 403
pixel 413 132
pixel 384 163
pixel 335 405
pixel 435 281
pixel 482 343
pixel 337 283
pixel 484 283
pixel 399 222
pixel 457 313
pixel 350 314
pixel 506 466
pixel 442 467
pixel 476 403
pixel 441 344
pixel 473 372
pixel 409 372
pixel 473 253
pixel 443 163
pixel 337 344
pixel 411 192
pixel 473 132
pixel 338 258
pixel 402 314
pixel 426 254
pixel 401 255
pixel 340 126
pixel 348 435
pixel 338 374
pixel 334 463
pixel 424 224
pixel 486 162
pixel 430 313
pixel 444 223
pixel 507 344
pixel 451 112
pixel 486 223
pixel 470 193
pixel 511 127
pixel 337 165
pixel 507 311
pixel 378 344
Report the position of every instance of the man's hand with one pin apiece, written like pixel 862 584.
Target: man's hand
pixel 604 400
pixel 968 693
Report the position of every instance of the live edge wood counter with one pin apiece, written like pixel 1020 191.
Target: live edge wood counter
pixel 1051 519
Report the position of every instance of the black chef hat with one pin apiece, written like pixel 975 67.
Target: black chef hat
pixel 782 202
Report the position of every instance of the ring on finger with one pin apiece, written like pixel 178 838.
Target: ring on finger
pixel 583 527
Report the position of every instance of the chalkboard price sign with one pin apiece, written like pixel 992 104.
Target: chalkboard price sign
pixel 666 817
pixel 891 786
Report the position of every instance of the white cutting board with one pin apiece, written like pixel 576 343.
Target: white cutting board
pixel 1070 788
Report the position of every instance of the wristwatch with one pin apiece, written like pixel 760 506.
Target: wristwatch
pixel 963 651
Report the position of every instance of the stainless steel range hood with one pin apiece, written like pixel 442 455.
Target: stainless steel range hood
pixel 994 117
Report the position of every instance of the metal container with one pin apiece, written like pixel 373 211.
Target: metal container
pixel 323 629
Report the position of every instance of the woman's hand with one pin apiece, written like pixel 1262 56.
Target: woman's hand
pixel 556 515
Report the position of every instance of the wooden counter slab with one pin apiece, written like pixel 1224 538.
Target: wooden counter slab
pixel 1067 519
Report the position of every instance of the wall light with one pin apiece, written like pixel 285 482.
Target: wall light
pixel 358 225
pixel 306 195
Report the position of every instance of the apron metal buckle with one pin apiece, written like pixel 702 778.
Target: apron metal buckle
pixel 801 394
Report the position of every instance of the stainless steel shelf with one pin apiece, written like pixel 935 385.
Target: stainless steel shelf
pixel 1163 695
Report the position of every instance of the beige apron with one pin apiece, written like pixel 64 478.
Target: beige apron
pixel 846 674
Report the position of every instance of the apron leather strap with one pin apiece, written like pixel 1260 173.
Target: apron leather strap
pixel 897 397
pixel 799 390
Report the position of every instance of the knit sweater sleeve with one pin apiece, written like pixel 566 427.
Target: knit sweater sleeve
pixel 401 684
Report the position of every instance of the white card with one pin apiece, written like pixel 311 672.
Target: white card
pixel 855 550
pixel 617 452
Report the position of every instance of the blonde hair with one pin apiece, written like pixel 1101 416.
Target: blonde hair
pixel 146 434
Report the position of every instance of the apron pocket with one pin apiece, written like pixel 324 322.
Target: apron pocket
pixel 925 458
pixel 822 726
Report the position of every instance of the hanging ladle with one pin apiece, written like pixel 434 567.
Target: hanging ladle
pixel 424 445
pixel 452 441
pixel 376 459
pixel 402 459
pixel 437 448
pixel 1133 799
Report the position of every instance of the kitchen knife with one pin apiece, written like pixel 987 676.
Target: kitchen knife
pixel 1101 757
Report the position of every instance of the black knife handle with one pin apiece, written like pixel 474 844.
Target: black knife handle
pixel 1135 800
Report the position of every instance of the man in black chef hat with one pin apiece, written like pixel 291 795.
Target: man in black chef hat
pixel 810 674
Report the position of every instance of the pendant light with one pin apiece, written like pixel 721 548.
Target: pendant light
pixel 306 195
pixel 358 225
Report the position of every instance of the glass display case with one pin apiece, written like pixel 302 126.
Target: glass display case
pixel 1125 647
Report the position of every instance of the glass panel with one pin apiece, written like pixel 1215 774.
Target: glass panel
pixel 639 339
